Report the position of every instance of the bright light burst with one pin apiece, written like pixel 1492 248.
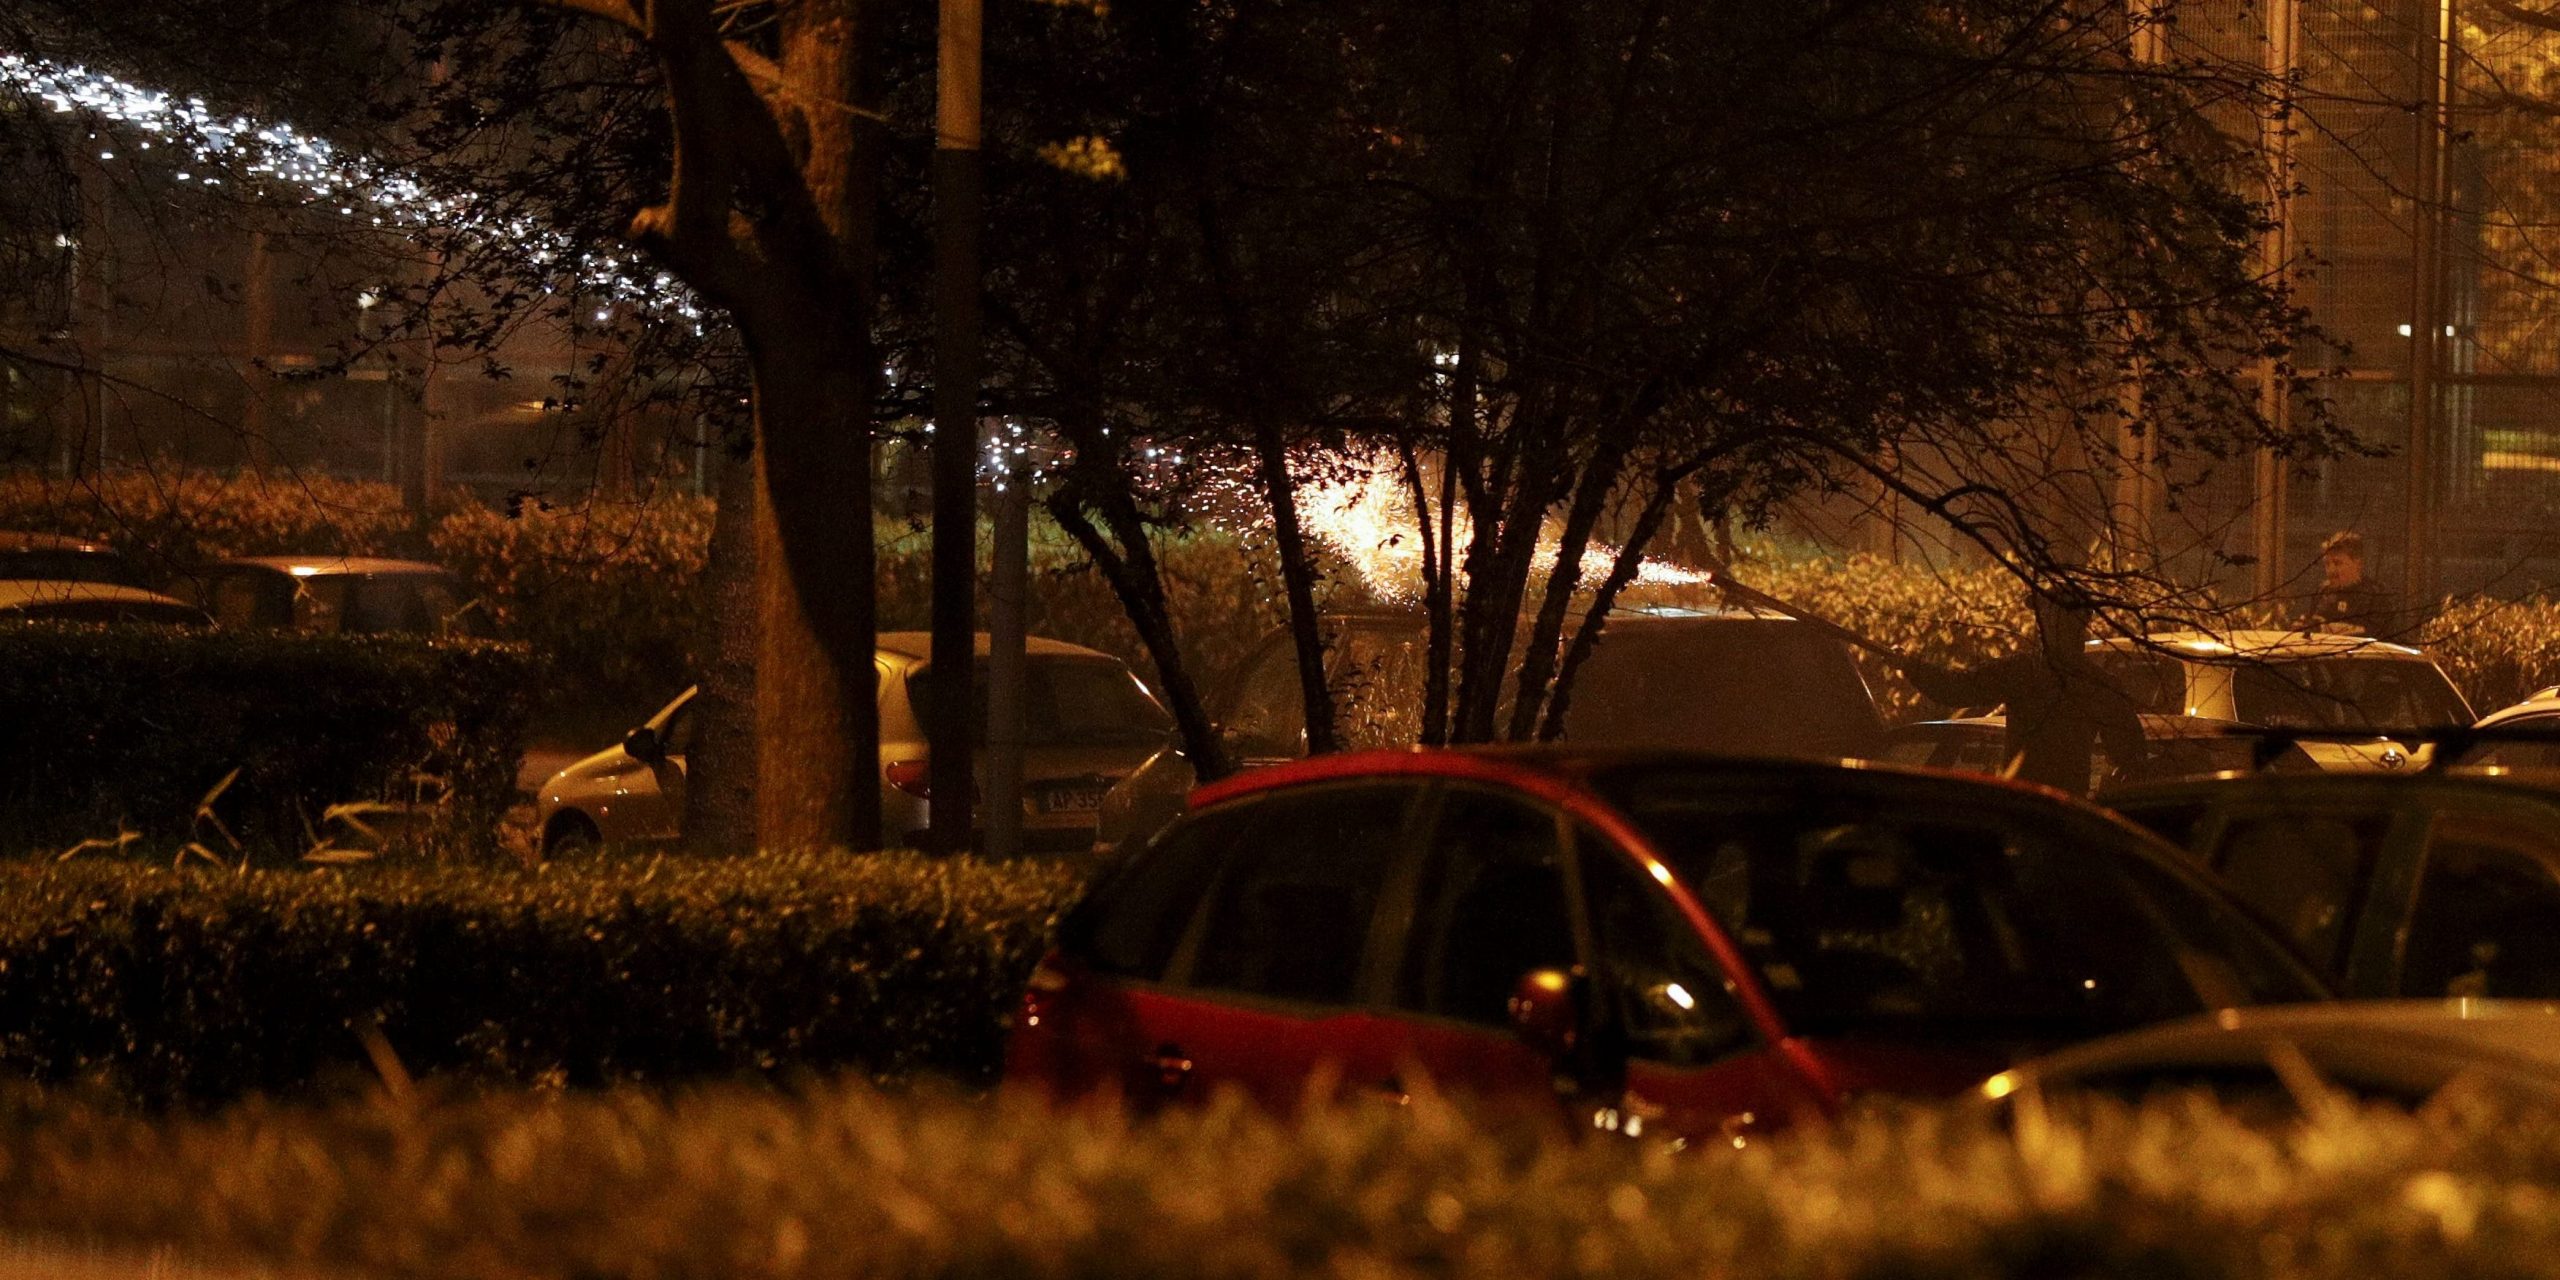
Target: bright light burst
pixel 1364 511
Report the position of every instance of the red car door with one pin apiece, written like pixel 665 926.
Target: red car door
pixel 1262 993
pixel 1698 1060
pixel 1488 903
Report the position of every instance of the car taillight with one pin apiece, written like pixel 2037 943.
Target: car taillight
pixel 1049 984
pixel 911 776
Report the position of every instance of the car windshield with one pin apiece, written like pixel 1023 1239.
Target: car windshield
pixel 2346 693
pixel 1904 910
pixel 1068 701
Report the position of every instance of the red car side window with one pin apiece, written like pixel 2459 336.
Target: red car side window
pixel 1291 914
pixel 1672 1000
pixel 1492 907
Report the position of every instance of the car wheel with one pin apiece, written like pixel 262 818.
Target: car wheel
pixel 571 833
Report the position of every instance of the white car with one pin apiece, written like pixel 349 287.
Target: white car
pixel 2292 680
pixel 2397 1050
pixel 1088 722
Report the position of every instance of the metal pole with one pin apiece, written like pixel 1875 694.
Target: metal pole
pixel 2426 319
pixel 950 775
pixel 1005 659
pixel 2275 388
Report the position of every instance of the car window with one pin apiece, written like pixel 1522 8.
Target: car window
pixel 2155 683
pixel 320 604
pixel 1269 717
pixel 1764 686
pixel 1672 1001
pixel 1129 923
pixel 235 600
pixel 1956 909
pixel 1491 907
pixel 677 733
pixel 1291 912
pixel 1068 700
pixel 2304 872
pixel 2487 920
pixel 2346 693
pixel 1377 686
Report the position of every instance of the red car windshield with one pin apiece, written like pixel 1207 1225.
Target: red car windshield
pixel 1901 910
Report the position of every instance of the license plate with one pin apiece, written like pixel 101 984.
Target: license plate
pixel 1071 800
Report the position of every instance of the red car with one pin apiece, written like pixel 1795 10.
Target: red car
pixel 1665 941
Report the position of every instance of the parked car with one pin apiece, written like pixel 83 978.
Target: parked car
pixel 328 595
pixel 1737 681
pixel 2397 1051
pixel 1694 944
pixel 1088 722
pixel 2413 885
pixel 2181 746
pixel 54 557
pixel 29 600
pixel 2291 680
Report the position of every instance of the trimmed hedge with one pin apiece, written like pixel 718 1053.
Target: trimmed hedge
pixel 170 520
pixel 845 1181
pixel 105 729
pixel 189 987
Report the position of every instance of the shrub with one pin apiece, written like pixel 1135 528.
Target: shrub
pixel 111 728
pixel 606 593
pixel 845 1181
pixel 197 986
pixel 173 520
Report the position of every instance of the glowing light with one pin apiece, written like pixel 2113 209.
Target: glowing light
pixel 1999 1086
pixel 1363 509
pixel 1680 995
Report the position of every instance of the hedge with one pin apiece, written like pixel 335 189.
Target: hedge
pixel 606 589
pixel 110 729
pixel 846 1181
pixel 195 986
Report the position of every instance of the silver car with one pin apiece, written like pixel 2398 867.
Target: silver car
pixel 2292 680
pixel 1088 723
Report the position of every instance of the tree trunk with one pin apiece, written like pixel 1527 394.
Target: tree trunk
pixel 720 772
pixel 1298 586
pixel 818 748
pixel 1130 568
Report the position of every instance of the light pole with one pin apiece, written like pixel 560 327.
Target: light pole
pixel 958 201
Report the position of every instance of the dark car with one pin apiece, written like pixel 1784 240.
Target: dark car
pixel 329 595
pixel 54 557
pixel 2418 885
pixel 1732 681
pixel 1688 943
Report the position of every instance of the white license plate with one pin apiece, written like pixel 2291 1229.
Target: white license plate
pixel 1077 800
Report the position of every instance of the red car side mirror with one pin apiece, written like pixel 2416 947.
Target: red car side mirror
pixel 1546 1011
